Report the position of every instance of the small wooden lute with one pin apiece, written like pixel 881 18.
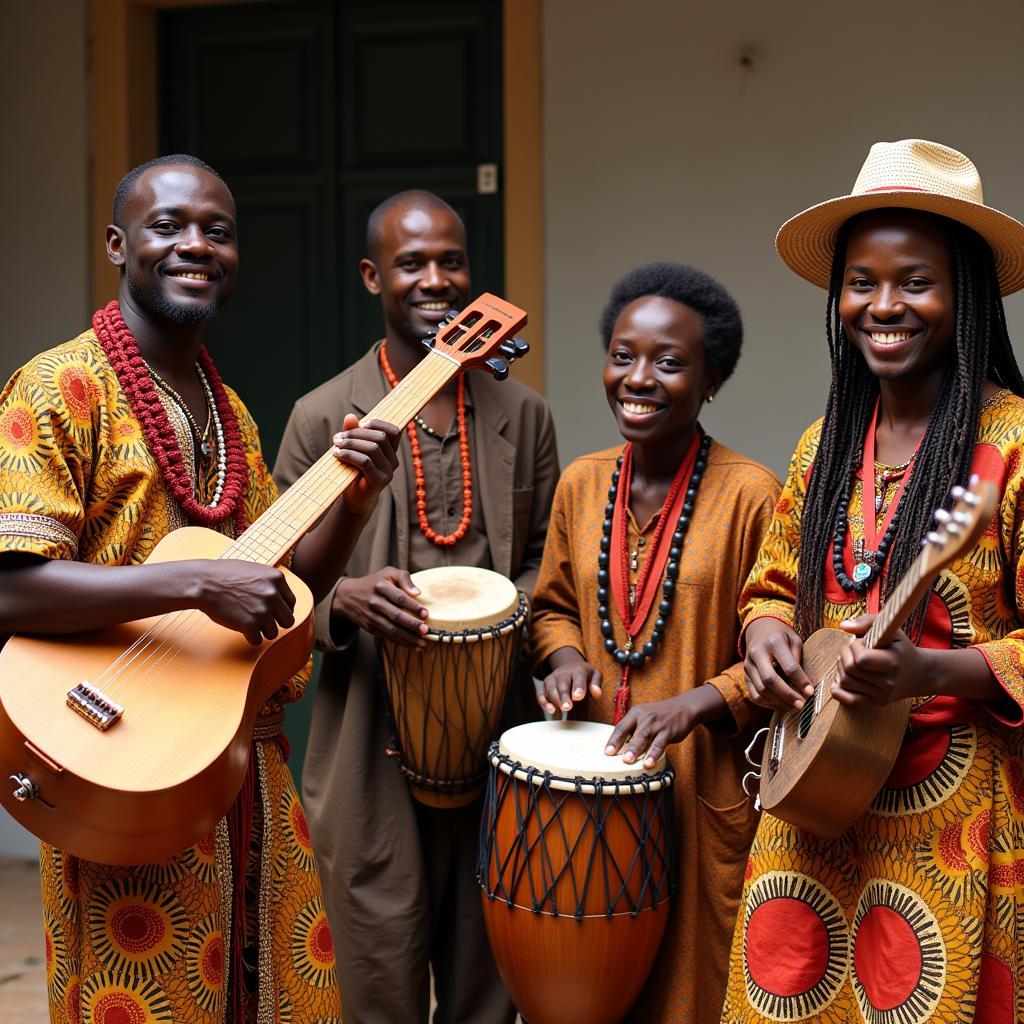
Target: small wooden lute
pixel 823 764
pixel 126 745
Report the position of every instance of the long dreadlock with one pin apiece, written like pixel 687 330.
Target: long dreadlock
pixel 981 350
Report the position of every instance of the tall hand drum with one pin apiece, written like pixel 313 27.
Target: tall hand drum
pixel 446 701
pixel 577 866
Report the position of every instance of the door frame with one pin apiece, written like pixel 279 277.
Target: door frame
pixel 123 59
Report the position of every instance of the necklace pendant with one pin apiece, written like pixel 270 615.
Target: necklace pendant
pixel 634 560
pixel 878 503
pixel 632 596
pixel 858 549
pixel 861 571
pixel 629 644
pixel 206 447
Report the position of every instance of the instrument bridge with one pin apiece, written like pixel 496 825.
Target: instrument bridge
pixel 94 706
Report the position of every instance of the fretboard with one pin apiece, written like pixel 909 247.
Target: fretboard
pixel 277 531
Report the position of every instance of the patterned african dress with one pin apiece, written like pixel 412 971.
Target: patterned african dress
pixel 916 913
pixel 152 944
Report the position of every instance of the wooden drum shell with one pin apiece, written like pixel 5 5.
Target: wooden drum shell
pixel 541 850
pixel 446 701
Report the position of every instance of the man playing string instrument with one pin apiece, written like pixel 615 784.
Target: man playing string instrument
pixel 107 443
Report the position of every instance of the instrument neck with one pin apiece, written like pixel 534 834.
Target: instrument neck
pixel 281 526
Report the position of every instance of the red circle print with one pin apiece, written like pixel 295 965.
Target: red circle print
pixel 787 946
pixel 137 929
pixel 922 752
pixel 321 943
pixel 887 958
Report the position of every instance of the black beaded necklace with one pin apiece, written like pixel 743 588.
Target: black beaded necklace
pixel 870 567
pixel 628 655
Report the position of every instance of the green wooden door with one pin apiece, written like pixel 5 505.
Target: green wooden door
pixel 314 112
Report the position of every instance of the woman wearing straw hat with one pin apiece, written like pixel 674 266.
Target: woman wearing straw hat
pixel 916 912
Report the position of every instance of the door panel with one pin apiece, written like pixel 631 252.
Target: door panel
pixel 314 112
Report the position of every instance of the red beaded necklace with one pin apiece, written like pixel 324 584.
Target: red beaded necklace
pixel 426 529
pixel 133 375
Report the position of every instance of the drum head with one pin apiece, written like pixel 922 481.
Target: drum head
pixel 462 597
pixel 570 749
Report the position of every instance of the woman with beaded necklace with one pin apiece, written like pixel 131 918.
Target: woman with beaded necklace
pixel 916 912
pixel 635 607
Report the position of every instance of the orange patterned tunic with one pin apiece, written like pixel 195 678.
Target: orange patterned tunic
pixel 714 818
pixel 152 943
pixel 915 914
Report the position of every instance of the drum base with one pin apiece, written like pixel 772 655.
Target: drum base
pixel 445 801
pixel 562 971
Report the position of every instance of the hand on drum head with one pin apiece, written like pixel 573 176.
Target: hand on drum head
pixel 383 604
pixel 647 730
pixel 572 677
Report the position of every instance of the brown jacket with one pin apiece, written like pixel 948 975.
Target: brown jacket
pixel 360 812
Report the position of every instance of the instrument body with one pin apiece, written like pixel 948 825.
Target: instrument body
pixel 164 774
pixel 126 745
pixel 446 701
pixel 577 868
pixel 822 766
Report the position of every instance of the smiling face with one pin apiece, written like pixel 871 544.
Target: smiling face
pixel 898 302
pixel 421 270
pixel 178 245
pixel 655 375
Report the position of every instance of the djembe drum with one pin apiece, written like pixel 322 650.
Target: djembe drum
pixel 577 867
pixel 446 701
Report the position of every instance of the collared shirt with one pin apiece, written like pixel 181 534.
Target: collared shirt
pixel 442 473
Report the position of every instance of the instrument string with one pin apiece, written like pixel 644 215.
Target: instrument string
pixel 269 538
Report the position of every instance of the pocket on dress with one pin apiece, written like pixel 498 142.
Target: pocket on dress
pixel 726 832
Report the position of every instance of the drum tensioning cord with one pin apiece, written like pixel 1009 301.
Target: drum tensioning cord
pixel 657 865
pixel 448 648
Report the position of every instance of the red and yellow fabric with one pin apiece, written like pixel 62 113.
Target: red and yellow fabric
pixel 916 913
pixel 152 943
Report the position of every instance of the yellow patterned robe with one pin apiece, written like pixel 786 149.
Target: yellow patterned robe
pixel 134 945
pixel 916 913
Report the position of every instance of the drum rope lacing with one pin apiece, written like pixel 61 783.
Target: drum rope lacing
pixel 461 761
pixel 513 876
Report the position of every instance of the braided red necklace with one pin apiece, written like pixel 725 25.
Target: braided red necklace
pixel 446 540
pixel 134 377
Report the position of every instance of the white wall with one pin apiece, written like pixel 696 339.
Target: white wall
pixel 44 190
pixel 661 143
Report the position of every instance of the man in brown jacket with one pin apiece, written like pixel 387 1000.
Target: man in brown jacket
pixel 399 877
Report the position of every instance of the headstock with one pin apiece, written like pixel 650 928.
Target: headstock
pixel 481 334
pixel 958 529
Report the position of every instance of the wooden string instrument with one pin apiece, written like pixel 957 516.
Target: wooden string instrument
pixel 126 745
pixel 823 764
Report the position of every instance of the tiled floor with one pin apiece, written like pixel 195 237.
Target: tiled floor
pixel 22 969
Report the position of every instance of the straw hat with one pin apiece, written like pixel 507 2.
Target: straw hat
pixel 915 175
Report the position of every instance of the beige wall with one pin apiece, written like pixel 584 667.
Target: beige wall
pixel 690 131
pixel 43 176
pixel 44 185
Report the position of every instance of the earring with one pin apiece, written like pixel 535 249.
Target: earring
pixel 710 397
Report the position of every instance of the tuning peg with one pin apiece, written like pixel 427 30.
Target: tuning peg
pixel 942 516
pixel 429 339
pixel 971 498
pixel 954 529
pixel 498 367
pixel 934 538
pixel 514 348
pixel 962 518
pixel 956 492
pixel 450 316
